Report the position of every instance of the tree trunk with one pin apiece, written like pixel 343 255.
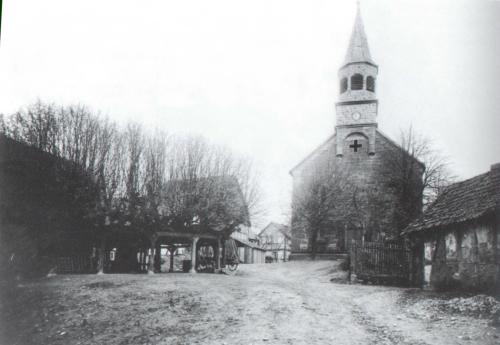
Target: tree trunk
pixel 217 254
pixel 314 243
pixel 151 264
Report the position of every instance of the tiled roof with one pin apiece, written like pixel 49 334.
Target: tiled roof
pixel 460 202
pixel 284 229
pixel 246 242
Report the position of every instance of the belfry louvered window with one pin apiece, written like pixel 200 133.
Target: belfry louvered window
pixel 343 85
pixel 357 82
pixel 370 84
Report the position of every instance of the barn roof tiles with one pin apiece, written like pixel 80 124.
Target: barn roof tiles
pixel 461 202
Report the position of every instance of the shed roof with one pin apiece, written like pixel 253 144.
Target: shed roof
pixel 217 200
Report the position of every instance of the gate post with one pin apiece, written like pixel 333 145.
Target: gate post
pixel 101 255
pixel 418 259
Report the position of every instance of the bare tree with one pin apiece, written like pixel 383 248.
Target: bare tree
pixel 35 125
pixel 323 200
pixel 137 179
pixel 416 173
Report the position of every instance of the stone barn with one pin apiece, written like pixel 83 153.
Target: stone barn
pixel 461 232
pixel 357 158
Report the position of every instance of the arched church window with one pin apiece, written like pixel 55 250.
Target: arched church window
pixel 370 84
pixel 356 143
pixel 343 85
pixel 357 82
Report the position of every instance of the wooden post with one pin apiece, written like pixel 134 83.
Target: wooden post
pixel 193 255
pixel 157 260
pixel 172 250
pixel 223 263
pixel 217 254
pixel 151 264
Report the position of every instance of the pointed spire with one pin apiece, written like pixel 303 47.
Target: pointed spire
pixel 358 50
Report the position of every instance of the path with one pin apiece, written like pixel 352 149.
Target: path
pixel 292 303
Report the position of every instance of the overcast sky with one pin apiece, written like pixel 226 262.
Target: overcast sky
pixel 260 75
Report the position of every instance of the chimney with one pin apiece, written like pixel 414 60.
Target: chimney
pixel 495 178
pixel 495 172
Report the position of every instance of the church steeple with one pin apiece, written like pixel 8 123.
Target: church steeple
pixel 358 50
pixel 357 107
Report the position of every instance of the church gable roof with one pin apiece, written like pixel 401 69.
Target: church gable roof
pixel 460 202
pixel 328 143
pixel 358 50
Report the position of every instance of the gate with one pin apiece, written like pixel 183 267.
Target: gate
pixel 381 263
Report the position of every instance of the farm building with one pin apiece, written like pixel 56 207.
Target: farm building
pixel 461 232
pixel 44 201
pixel 248 245
pixel 276 240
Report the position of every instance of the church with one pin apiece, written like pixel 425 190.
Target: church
pixel 356 163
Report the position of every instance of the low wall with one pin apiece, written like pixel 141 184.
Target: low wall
pixel 320 256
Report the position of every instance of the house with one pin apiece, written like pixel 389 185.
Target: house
pixel 248 245
pixel 276 240
pixel 358 162
pixel 461 233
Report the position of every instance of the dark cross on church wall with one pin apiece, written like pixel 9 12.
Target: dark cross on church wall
pixel 355 146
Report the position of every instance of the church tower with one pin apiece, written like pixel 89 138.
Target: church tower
pixel 357 155
pixel 356 110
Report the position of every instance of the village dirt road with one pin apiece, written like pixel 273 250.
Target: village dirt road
pixel 291 303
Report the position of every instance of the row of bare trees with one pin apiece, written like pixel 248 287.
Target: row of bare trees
pixel 144 179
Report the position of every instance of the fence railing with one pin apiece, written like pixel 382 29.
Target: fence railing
pixel 380 261
pixel 74 264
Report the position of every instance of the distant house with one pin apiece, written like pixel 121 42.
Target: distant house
pixel 276 240
pixel 249 249
pixel 461 232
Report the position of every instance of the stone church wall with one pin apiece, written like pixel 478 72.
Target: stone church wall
pixel 377 202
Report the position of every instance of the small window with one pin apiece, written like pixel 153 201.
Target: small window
pixel 370 84
pixel 357 82
pixel 343 85
pixel 451 246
